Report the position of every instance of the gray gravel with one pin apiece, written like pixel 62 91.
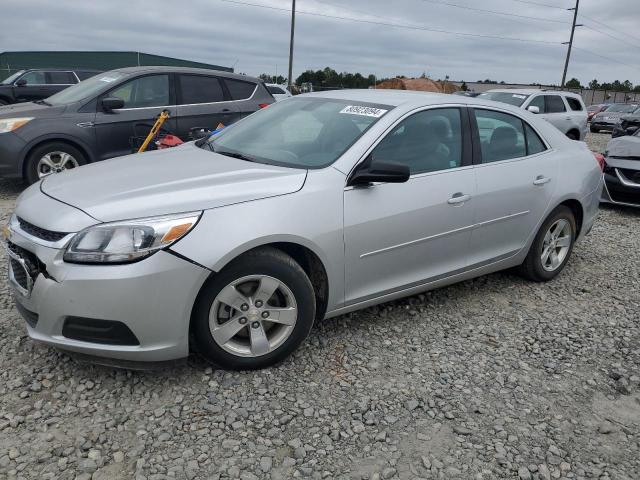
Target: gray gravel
pixel 492 378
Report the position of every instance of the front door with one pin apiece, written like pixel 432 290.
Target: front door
pixel 401 235
pixel 119 132
pixel 202 103
pixel 516 176
pixel 35 88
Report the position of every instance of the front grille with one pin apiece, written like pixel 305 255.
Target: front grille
pixel 631 175
pixel 34 266
pixel 19 274
pixel 625 197
pixel 48 235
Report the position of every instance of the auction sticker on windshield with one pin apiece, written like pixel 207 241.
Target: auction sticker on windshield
pixel 364 111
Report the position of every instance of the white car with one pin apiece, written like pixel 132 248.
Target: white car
pixel 279 92
pixel 565 110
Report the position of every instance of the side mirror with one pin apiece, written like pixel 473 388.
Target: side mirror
pixel 377 171
pixel 111 103
pixel 21 83
pixel 533 109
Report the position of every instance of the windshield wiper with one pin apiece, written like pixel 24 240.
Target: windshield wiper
pixel 42 102
pixel 230 153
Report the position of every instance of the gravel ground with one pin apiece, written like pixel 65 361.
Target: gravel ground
pixel 492 378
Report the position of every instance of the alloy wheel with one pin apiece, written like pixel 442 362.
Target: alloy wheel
pixel 253 316
pixel 55 162
pixel 556 245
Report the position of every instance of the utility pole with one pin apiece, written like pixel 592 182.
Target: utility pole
pixel 293 29
pixel 573 29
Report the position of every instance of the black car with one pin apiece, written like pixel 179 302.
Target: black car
pixel 36 84
pixel 622 171
pixel 98 118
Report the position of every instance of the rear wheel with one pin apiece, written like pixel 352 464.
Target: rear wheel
pixel 551 247
pixel 573 135
pixel 50 158
pixel 255 312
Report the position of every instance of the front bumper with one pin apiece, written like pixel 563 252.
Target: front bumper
pixel 619 189
pixel 11 148
pixel 602 125
pixel 153 298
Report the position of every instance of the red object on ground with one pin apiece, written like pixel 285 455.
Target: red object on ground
pixel 168 141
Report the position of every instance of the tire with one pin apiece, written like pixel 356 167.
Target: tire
pixel 240 352
pixel 3 102
pixel 533 268
pixel 55 151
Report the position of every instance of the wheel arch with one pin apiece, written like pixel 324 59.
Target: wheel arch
pixel 578 212
pixel 574 131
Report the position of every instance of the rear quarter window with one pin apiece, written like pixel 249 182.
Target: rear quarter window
pixel 574 104
pixel 239 89
pixel 276 91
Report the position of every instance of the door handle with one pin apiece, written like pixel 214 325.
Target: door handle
pixel 458 199
pixel 225 110
pixel 541 180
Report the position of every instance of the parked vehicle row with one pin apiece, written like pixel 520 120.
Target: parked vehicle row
pixel 316 206
pixel 608 118
pixel 565 110
pixel 37 84
pixel 95 119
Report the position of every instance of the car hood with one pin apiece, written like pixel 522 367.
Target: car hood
pixel 30 109
pixel 610 115
pixel 181 179
pixel 624 152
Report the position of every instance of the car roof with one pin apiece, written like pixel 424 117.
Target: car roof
pixel 409 98
pixel 531 91
pixel 206 71
pixel 59 69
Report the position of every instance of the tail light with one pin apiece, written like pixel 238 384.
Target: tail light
pixel 263 105
pixel 600 159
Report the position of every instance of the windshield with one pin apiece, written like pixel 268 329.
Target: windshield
pixel 621 108
pixel 9 80
pixel 85 89
pixel 301 132
pixel 516 99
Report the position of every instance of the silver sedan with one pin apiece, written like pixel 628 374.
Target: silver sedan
pixel 316 206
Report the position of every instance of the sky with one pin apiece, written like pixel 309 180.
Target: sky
pixel 254 39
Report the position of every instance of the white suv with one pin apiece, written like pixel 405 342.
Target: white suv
pixel 565 110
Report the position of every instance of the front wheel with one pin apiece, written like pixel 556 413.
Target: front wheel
pixel 50 158
pixel 255 312
pixel 551 247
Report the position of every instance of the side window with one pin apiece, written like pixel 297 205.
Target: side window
pixel 276 90
pixel 240 90
pixel 200 89
pixel 534 143
pixel 555 104
pixel 60 78
pixel 34 78
pixel 538 102
pixel 501 136
pixel 149 91
pixel 427 141
pixel 574 104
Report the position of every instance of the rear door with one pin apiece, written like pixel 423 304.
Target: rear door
pixel 516 174
pixel 119 132
pixel 556 112
pixel 578 113
pixel 58 80
pixel 202 103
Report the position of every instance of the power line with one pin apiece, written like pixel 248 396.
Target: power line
pixel 396 25
pixel 494 12
pixel 608 27
pixel 611 59
pixel 609 35
pixel 540 4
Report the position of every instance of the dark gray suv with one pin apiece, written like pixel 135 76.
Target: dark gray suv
pixel 97 118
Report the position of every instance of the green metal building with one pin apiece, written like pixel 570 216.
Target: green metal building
pixel 10 62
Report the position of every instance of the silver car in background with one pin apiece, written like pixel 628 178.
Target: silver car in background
pixel 565 110
pixel 321 205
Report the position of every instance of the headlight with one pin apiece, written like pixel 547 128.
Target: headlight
pixel 130 240
pixel 11 124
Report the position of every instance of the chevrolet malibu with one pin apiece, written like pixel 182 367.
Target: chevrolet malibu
pixel 324 204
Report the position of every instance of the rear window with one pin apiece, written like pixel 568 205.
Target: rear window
pixel 276 90
pixel 555 104
pixel 240 90
pixel 574 104
pixel 196 89
pixel 61 78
